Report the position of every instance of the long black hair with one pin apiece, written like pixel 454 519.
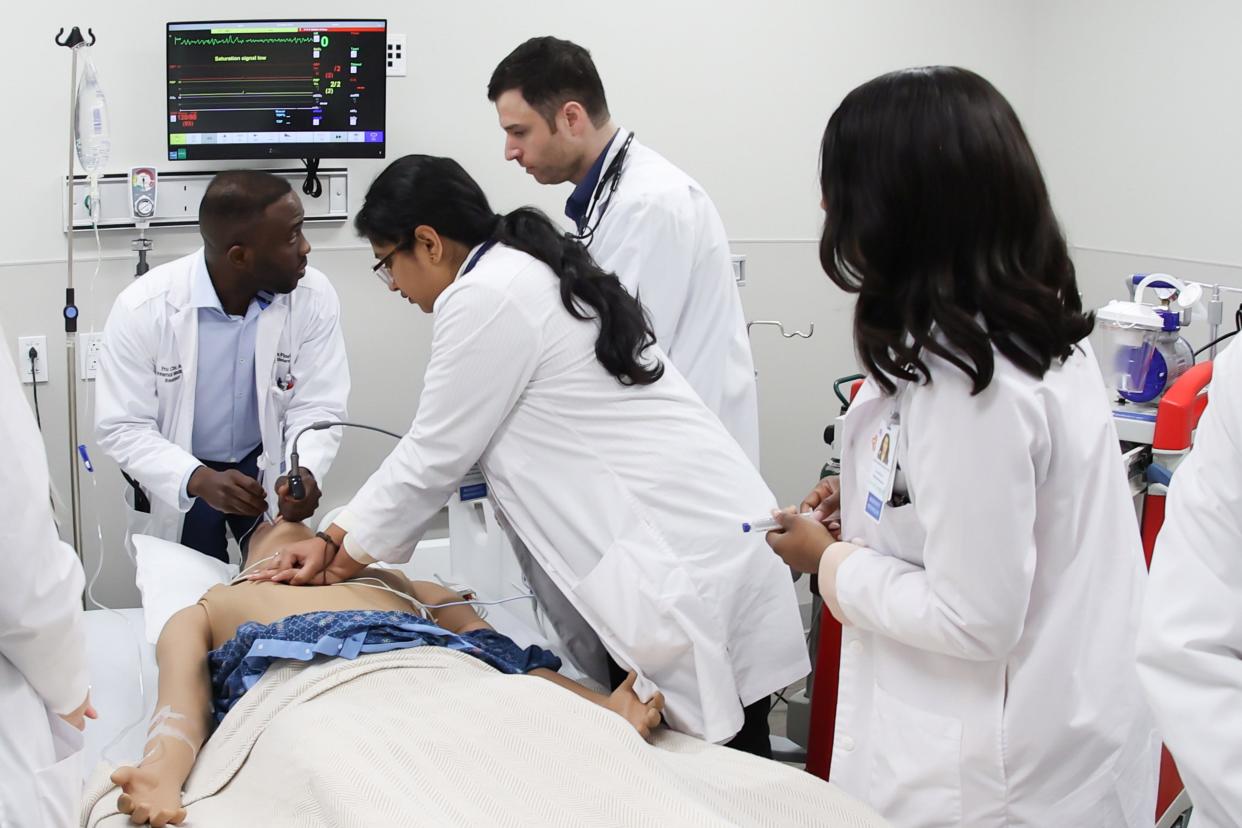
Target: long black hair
pixel 938 217
pixel 425 190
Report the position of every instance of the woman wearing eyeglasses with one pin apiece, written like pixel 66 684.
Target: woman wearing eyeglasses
pixel 599 457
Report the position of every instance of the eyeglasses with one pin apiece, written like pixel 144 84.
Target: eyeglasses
pixel 383 268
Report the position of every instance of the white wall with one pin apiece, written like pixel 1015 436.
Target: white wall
pixel 1132 128
pixel 1138 124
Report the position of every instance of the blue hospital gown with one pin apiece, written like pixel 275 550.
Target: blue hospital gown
pixel 241 662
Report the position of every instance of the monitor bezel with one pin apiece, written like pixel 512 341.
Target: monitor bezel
pixel 374 150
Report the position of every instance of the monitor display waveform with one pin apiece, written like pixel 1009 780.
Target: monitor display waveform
pixel 276 89
pixel 243 40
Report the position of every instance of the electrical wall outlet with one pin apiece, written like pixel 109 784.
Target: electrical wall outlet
pixel 396 55
pixel 24 344
pixel 89 347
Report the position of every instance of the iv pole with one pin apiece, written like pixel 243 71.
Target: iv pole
pixel 72 42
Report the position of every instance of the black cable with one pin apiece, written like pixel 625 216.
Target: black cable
pixel 312 186
pixel 297 488
pixel 1237 328
pixel 33 354
pixel 322 424
pixel 610 179
pixel 1217 341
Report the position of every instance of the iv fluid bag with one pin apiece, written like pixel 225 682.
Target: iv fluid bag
pixel 91 136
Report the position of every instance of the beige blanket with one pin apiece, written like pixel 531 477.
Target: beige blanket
pixel 433 737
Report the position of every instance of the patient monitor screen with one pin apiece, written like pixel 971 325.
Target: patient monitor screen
pixel 276 89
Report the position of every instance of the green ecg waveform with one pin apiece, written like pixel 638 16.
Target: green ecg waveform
pixel 245 40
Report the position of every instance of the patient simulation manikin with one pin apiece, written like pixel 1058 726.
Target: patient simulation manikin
pixel 207 658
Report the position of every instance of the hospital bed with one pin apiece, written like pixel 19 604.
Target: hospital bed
pixel 500 749
pixel 476 555
pixel 528 734
pixel 116 651
pixel 124 675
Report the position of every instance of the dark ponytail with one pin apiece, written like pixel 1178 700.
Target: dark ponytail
pixel 624 332
pixel 436 192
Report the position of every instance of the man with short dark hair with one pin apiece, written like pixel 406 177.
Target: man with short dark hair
pixel 211 364
pixel 640 216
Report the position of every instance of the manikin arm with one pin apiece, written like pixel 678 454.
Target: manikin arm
pixel 151 792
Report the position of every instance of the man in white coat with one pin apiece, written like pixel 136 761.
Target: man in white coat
pixel 1190 643
pixel 43 681
pixel 211 365
pixel 641 218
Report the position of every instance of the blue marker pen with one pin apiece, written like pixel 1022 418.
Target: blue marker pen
pixel 86 458
pixel 767 524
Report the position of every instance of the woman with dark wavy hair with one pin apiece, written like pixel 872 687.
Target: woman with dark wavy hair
pixel 601 458
pixel 992 581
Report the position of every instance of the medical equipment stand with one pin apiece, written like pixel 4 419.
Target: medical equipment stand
pixel 72 42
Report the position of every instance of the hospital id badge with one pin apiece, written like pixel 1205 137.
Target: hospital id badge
pixel 883 469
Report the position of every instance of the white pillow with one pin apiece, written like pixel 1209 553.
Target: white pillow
pixel 172 577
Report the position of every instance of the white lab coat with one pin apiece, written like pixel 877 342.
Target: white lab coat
pixel 1192 621
pixel 629 498
pixel 42 644
pixel 144 405
pixel 987 676
pixel 663 238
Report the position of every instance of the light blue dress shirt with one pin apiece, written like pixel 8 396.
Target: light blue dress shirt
pixel 226 404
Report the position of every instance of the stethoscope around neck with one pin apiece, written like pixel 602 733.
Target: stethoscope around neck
pixel 609 180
